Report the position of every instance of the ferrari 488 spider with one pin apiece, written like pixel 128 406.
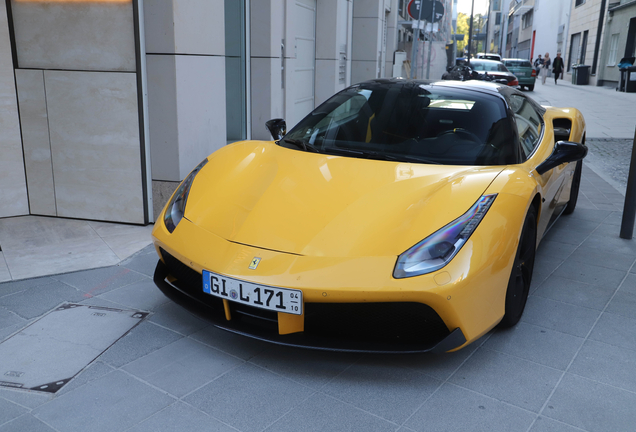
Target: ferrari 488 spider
pixel 398 216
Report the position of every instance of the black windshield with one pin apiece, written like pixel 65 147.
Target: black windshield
pixel 410 122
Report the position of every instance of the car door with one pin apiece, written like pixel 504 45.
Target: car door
pixel 530 127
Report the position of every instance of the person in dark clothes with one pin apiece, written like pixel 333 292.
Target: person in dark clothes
pixel 537 64
pixel 557 67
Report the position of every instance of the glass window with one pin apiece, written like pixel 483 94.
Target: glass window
pixel 579 2
pixel 574 50
pixel 611 61
pixel 492 66
pixel 526 19
pixel 518 63
pixel 529 123
pixel 409 122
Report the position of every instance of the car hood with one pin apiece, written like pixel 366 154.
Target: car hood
pixel 263 195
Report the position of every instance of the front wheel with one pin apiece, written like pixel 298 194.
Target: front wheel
pixel 574 189
pixel 521 273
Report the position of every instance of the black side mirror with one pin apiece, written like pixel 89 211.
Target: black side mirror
pixel 564 151
pixel 277 127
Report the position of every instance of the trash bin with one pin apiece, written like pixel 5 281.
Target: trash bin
pixel 630 79
pixel 623 80
pixel 623 67
pixel 581 74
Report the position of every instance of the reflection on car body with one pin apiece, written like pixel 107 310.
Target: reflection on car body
pixel 398 216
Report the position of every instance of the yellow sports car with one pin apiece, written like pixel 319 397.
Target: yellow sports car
pixel 398 216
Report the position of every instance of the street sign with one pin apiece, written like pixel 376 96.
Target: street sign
pixel 427 10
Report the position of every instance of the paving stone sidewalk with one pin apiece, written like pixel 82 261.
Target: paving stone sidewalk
pixel 567 366
pixel 611 158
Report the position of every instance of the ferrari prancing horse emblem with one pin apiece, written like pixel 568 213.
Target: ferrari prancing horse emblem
pixel 254 263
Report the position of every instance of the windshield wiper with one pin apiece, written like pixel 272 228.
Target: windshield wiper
pixel 380 156
pixel 304 145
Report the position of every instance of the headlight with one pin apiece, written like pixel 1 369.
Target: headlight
pixel 176 206
pixel 436 250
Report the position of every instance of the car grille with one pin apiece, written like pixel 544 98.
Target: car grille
pixel 190 282
pixel 400 323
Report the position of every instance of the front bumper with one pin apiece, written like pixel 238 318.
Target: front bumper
pixel 350 327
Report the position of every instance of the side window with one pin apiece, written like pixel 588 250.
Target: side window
pixel 528 123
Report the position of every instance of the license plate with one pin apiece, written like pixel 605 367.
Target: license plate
pixel 260 296
pixel 520 74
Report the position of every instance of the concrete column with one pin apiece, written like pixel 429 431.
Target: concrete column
pixel 368 28
pixel 267 30
pixel 333 24
pixel 391 36
pixel 185 49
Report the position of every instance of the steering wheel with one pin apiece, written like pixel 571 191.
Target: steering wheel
pixel 460 131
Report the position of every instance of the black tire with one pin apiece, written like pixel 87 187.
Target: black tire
pixel 530 87
pixel 521 273
pixel 574 190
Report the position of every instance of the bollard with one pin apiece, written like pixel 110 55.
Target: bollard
pixel 629 209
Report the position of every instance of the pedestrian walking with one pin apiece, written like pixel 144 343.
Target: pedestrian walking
pixel 537 64
pixel 557 67
pixel 545 67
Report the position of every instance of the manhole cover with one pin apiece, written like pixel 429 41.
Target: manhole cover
pixel 48 353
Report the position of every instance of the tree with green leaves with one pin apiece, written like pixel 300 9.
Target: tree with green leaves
pixel 462 28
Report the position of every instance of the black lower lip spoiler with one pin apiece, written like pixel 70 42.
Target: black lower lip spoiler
pixel 454 340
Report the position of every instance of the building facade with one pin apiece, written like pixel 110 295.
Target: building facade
pixel 106 105
pixel 619 41
pixel 587 20
pixel 497 25
pixel 513 28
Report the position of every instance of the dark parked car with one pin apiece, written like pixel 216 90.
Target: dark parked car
pixel 484 70
pixel 523 70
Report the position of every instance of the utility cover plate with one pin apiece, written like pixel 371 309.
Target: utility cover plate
pixel 48 353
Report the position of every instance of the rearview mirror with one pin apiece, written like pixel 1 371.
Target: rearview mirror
pixel 277 127
pixel 564 151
